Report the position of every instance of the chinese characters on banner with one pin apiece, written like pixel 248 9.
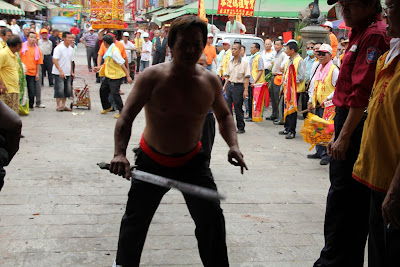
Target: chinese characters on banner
pixel 107 14
pixel 236 7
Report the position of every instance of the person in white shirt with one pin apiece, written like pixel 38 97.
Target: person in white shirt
pixel 15 28
pixel 129 48
pixel 234 26
pixel 145 53
pixel 268 56
pixel 62 71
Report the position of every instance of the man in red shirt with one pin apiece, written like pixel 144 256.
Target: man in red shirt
pixel 347 208
pixel 75 30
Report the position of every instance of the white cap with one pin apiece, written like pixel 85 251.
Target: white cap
pixel 325 48
pixel 210 35
pixel 291 41
pixel 328 23
pixel 140 31
pixel 145 34
pixel 101 30
pixel 2 24
pixel 126 34
pixel 226 41
pixel 91 29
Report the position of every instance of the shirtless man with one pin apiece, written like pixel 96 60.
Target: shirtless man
pixel 170 147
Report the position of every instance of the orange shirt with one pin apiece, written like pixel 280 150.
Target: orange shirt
pixel 210 53
pixel 118 44
pixel 334 44
pixel 29 60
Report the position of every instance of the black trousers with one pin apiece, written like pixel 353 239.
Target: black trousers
pixel 274 98
pixel 138 62
pixel 90 55
pixel 383 243
pixel 302 98
pixel 144 198
pixel 250 101
pixel 235 96
pixel 111 86
pixel 31 84
pixel 347 207
pixel 159 57
pixel 2 176
pixel 291 122
pixel 46 68
pixel 208 135
pixel 321 150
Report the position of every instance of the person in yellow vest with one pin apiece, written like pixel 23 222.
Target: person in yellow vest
pixel 256 62
pixel 345 44
pixel 378 163
pixel 113 70
pixel 226 56
pixel 138 44
pixel 324 87
pixel 293 85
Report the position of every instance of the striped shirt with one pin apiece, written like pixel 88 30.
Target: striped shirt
pixel 90 39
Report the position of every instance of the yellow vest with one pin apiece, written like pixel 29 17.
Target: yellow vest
pixel 380 145
pixel 322 89
pixel 111 69
pixel 224 62
pixel 2 45
pixel 301 87
pixel 254 70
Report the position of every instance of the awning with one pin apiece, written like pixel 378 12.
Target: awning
pixel 6 8
pixel 39 5
pixel 160 20
pixel 163 11
pixel 154 10
pixel 48 5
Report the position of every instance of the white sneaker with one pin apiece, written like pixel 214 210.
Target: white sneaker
pixel 40 106
pixel 115 264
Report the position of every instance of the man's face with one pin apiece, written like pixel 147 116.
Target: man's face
pixel 316 48
pixel 8 35
pixel 231 19
pixel 33 26
pixel 268 45
pixel 126 38
pixel 44 36
pixel 355 12
pixel 26 31
pixel 69 39
pixel 226 47
pixel 162 34
pixel 288 51
pixel 242 51
pixel 209 40
pixel 56 33
pixel 311 7
pixel 236 50
pixel 202 61
pixel 91 31
pixel 32 38
pixel 146 39
pixel 13 21
pixel 323 57
pixel 188 46
pixel 253 49
pixel 278 46
pixel 310 47
pixel 392 12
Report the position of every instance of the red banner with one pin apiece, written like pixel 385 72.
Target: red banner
pixel 108 14
pixel 236 7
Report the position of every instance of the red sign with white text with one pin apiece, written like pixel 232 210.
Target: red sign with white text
pixel 236 7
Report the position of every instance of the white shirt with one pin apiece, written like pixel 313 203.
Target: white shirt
pixel 129 46
pixel 117 57
pixel 268 58
pixel 394 50
pixel 64 56
pixel 146 46
pixel 15 29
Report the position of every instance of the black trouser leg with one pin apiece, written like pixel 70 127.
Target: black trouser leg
pixel 321 150
pixel 115 85
pixel 347 208
pixel 250 101
pixel 291 122
pixel 208 135
pixel 156 58
pixel 138 63
pixel 47 68
pixel 235 96
pixel 104 93
pixel 31 84
pixel 274 97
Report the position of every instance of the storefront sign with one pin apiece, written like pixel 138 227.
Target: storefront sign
pixel 236 7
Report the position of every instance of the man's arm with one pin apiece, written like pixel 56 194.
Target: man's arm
pixel 55 62
pixel 391 204
pixel 227 126
pixel 11 127
pixel 82 40
pixel 301 75
pixel 260 69
pixel 138 97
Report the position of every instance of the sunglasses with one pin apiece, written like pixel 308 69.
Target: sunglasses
pixel 322 54
pixel 310 48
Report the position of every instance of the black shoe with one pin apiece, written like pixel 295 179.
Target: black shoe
pixel 248 120
pixel 240 131
pixel 51 85
pixel 278 122
pixel 113 109
pixel 284 132
pixel 324 162
pixel 290 135
pixel 270 118
pixel 97 80
pixel 313 156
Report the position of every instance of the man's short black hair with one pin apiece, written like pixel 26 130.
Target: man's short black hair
pixel 257 45
pixel 32 22
pixel 293 46
pixel 14 41
pixel 184 23
pixel 108 39
pixel 4 31
pixel 279 40
pixel 311 4
pixel 244 48
pixel 240 45
pixel 64 35
pixel 29 34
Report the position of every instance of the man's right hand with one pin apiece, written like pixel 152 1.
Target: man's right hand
pixel 329 146
pixel 310 107
pixel 62 75
pixel 120 165
pixel 234 153
pixel 3 88
pixel 246 94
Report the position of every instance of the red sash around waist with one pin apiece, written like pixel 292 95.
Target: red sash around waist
pixel 168 161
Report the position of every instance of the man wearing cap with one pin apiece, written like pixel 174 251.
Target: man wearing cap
pixel 257 74
pixel 226 56
pixel 89 40
pixel 345 44
pixel 25 32
pixel 145 53
pixel 46 46
pixel 234 26
pixel 210 51
pixel 332 37
pixel 118 44
pixel 347 209
pixel 236 85
pixel 138 44
pixel 324 87
pixel 130 53
pixel 293 86
pixel 161 48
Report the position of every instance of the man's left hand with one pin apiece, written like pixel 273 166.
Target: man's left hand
pixel 246 94
pixel 129 80
pixel 3 88
pixel 391 209
pixel 234 153
pixel 339 148
pixel 73 75
pixel 37 77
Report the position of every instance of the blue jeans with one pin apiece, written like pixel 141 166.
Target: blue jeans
pixel 62 87
pixel 144 64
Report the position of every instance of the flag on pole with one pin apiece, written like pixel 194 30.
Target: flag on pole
pixel 202 10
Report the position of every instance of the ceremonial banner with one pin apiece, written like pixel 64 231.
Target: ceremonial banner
pixel 236 7
pixel 107 14
pixel 201 13
pixel 329 111
pixel 259 92
pixel 316 130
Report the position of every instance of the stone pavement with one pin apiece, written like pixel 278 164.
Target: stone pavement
pixel 58 208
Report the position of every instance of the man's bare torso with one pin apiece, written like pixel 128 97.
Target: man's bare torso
pixel 177 107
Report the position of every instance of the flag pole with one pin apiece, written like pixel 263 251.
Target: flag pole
pixel 212 14
pixel 259 7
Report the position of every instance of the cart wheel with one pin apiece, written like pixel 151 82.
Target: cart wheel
pixel 71 105
pixel 89 106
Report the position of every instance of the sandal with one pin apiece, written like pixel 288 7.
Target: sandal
pixel 60 109
pixel 67 109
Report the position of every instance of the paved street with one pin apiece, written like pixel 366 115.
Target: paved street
pixel 58 208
